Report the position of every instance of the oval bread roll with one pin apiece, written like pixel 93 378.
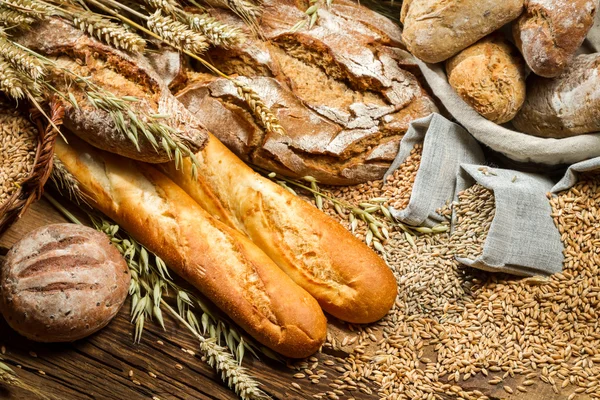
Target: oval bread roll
pixel 564 106
pixel 218 260
pixel 490 77
pixel 550 31
pixel 435 30
pixel 62 282
pixel 346 277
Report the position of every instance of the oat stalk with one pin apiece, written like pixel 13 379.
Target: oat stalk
pixel 176 33
pixel 107 31
pixel 312 15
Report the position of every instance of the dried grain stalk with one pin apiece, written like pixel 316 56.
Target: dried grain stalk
pixel 107 31
pixel 218 33
pixel 176 33
pixel 12 17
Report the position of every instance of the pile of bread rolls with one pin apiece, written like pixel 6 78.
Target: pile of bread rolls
pixel 489 66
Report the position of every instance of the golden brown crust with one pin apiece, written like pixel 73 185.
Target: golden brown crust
pixel 218 260
pixel 490 76
pixel 117 72
pixel 61 283
pixel 435 30
pixel 549 32
pixel 347 278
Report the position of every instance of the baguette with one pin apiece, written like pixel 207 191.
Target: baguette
pixel 218 260
pixel 122 74
pixel 347 278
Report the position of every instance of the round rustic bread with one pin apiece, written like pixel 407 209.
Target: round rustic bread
pixel 61 283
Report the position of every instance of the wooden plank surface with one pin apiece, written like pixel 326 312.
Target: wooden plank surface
pixel 99 367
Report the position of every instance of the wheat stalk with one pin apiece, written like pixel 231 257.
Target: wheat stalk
pixel 266 118
pixel 21 59
pixel 108 31
pixel 33 8
pixel 11 17
pixel 66 183
pixel 10 83
pixel 166 6
pixel 177 34
pixel 218 33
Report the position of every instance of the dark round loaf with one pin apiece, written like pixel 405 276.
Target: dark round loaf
pixel 61 283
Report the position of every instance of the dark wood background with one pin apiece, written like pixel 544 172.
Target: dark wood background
pixel 98 367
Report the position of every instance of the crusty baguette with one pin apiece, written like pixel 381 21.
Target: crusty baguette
pixel 567 105
pixel 218 260
pixel 490 77
pixel 346 277
pixel 435 30
pixel 119 73
pixel 549 32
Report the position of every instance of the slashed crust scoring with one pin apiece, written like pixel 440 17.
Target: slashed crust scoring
pixel 342 90
pixel 118 72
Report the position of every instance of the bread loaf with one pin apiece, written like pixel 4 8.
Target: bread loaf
pixel 564 106
pixel 550 31
pixel 490 77
pixel 346 277
pixel 435 30
pixel 61 283
pixel 115 72
pixel 342 91
pixel 219 261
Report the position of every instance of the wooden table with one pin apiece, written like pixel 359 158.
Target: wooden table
pixel 99 367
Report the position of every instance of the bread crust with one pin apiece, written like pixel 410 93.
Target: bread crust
pixel 342 90
pixel 219 261
pixel 346 277
pixel 118 72
pixel 549 33
pixel 567 105
pixel 490 76
pixel 61 283
pixel 435 30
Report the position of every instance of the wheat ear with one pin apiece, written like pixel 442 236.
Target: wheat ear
pixel 260 110
pixel 177 34
pixel 166 6
pixel 33 8
pixel 10 17
pixel 218 33
pixel 108 31
pixel 21 59
pixel 10 83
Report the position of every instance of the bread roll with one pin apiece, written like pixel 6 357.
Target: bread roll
pixel 435 30
pixel 116 72
pixel 218 260
pixel 567 105
pixel 550 31
pixel 490 77
pixel 62 282
pixel 346 277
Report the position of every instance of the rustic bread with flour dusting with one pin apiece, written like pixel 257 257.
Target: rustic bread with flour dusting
pixel 564 106
pixel 346 277
pixel 119 73
pixel 218 260
pixel 550 31
pixel 435 30
pixel 342 90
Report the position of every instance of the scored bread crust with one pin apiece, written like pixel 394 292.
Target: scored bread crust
pixel 62 282
pixel 219 261
pixel 344 92
pixel 435 30
pixel 490 76
pixel 118 72
pixel 550 31
pixel 346 277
